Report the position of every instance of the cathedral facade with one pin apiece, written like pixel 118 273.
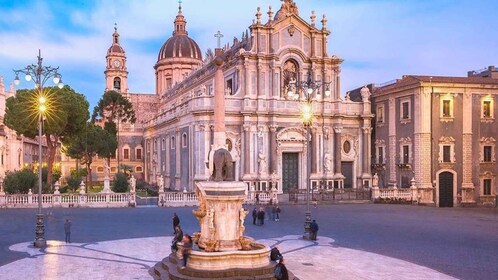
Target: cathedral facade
pixel 264 127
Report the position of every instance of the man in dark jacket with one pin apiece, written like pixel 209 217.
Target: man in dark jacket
pixel 176 222
pixel 314 230
pixel 275 254
pixel 254 215
pixel 67 230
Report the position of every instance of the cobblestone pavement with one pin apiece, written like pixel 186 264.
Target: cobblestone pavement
pixel 356 241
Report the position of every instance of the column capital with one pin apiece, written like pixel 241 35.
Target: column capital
pixel 273 127
pixel 246 127
pixel 338 129
pixel 367 130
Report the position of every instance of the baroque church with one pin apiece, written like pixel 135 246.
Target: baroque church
pixel 265 135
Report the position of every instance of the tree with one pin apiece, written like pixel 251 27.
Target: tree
pixel 113 107
pixel 120 184
pixel 66 114
pixel 20 181
pixel 90 142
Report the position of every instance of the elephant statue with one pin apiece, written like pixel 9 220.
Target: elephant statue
pixel 223 165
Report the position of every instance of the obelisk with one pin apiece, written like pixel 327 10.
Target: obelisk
pixel 219 103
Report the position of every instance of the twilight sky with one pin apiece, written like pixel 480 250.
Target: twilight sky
pixel 380 40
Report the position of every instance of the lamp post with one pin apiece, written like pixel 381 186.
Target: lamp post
pixel 40 74
pixel 311 90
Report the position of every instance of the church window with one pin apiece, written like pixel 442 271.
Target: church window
pixel 488 153
pixel 446 105
pixel 100 169
pixel 172 147
pixel 486 187
pixel 126 153
pixel 446 153
pixel 163 144
pixel 405 110
pixel 380 114
pixel 347 147
pixel 168 83
pixel 406 154
pixel 290 78
pixel 446 108
pixel 138 152
pixel 113 169
pixel 380 155
pixel 184 140
pixel 139 169
pixel 117 84
pixel 229 87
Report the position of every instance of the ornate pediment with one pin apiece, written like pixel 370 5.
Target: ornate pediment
pixel 447 139
pixel 293 134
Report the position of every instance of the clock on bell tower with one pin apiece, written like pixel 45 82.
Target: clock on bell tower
pixel 116 74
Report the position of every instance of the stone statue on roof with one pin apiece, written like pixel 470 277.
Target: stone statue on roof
pixel 288 7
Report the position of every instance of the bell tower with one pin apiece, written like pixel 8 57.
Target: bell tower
pixel 116 74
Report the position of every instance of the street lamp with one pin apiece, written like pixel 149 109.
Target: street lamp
pixel 310 89
pixel 40 74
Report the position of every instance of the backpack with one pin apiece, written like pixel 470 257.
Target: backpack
pixel 278 271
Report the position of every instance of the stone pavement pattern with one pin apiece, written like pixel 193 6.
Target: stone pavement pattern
pixel 132 258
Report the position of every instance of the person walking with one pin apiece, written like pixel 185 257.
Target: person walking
pixel 314 230
pixel 273 212
pixel 187 247
pixel 257 199
pixel 67 230
pixel 277 212
pixel 280 270
pixel 176 222
pixel 254 215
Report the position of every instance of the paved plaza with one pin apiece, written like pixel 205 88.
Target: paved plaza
pixel 362 241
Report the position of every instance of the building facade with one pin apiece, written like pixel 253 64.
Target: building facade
pixel 442 132
pixel 264 129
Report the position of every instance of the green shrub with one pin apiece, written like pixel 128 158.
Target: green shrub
pixel 120 183
pixel 20 181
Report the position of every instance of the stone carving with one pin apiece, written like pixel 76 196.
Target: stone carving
pixel 242 215
pixel 133 184
pixel 107 169
pixel 160 183
pixel 210 216
pixel 327 162
pixel 288 7
pixel 375 180
pixel 262 162
pixel 222 165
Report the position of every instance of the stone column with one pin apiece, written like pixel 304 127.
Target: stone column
pixel 247 149
pixel 337 152
pixel 392 140
pixel 248 78
pixel 313 151
pixel 366 152
pixel 273 149
pixel 467 185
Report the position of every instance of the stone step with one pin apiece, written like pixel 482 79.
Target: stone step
pixel 169 268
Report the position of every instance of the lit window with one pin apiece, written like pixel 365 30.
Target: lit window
pixel 138 169
pixel 100 169
pixel 113 169
pixel 446 106
pixel 487 108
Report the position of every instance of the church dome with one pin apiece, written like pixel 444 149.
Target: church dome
pixel 180 45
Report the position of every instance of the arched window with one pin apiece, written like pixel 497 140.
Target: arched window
pixel 172 143
pixel 290 77
pixel 139 169
pixel 184 140
pixel 117 84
